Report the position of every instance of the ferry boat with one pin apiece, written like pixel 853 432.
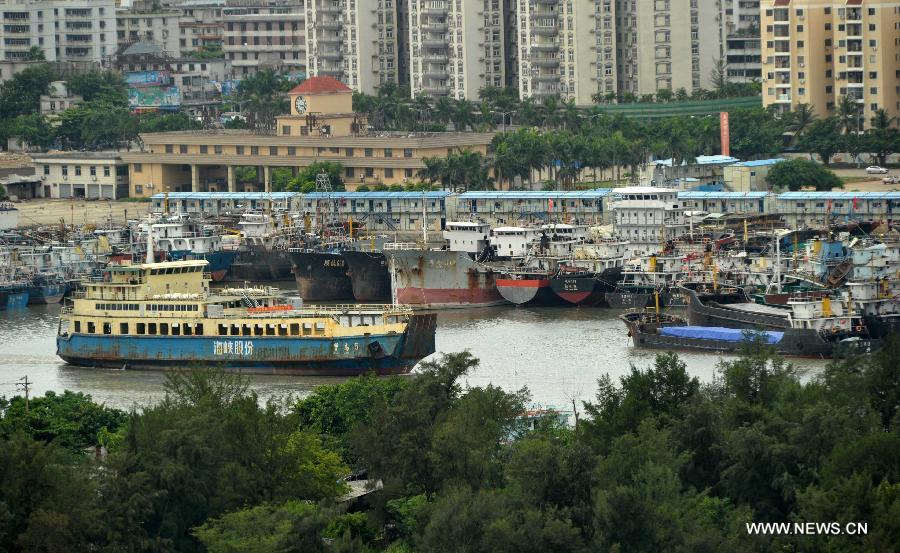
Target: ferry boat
pixel 164 315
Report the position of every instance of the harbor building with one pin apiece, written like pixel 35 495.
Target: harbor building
pixel 817 52
pixel 89 175
pixel 647 217
pixel 355 42
pixel 265 36
pixel 456 48
pixel 64 30
pixel 815 209
pixel 703 170
pixel 222 203
pixel 744 203
pixel 521 208
pixel 320 127
pixel 748 176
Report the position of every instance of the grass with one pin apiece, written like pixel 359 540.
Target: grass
pixel 849 180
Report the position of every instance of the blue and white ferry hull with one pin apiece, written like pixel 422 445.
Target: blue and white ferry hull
pixel 314 356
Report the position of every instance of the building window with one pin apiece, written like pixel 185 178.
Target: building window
pixel 407 152
pixel 388 152
pixel 93 170
pixel 273 150
pixel 137 168
pixel 388 173
pixel 106 170
pixel 78 170
pixel 292 150
pixel 254 150
pixel 217 149
pixel 239 150
pixel 46 169
pixel 408 173
pixel 348 172
pixel 182 148
pixel 370 172
pixel 169 149
pixel 138 189
pixel 368 152
pixel 286 130
pixel 204 149
pixel 348 152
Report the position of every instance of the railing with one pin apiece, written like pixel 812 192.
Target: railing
pixel 400 246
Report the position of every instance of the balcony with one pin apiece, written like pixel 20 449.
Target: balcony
pixel 546 30
pixel 545 46
pixel 434 57
pixel 329 8
pixel 434 11
pixel 330 38
pixel 436 73
pixel 434 43
pixel 330 24
pixel 330 54
pixel 545 77
pixel 434 27
pixel 783 98
pixel 545 62
pixel 436 90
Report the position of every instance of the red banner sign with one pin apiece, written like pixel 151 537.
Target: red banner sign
pixel 724 136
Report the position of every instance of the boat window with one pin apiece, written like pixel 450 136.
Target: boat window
pixel 176 330
pixel 91 328
pixel 320 328
pixel 199 329
pixel 270 330
pixel 295 329
pixel 140 328
pixel 257 330
pixel 123 328
pixel 77 326
pixel 151 328
pixel 164 329
pixel 245 330
pixel 223 330
pixel 107 328
pixel 307 329
pixel 187 330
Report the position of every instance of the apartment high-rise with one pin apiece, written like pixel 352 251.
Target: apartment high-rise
pixel 265 36
pixel 354 41
pixel 566 48
pixel 667 44
pixel 456 47
pixel 158 26
pixel 64 30
pixel 817 51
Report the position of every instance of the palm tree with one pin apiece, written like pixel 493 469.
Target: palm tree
pixel 848 113
pixel 444 110
pixel 435 169
pixel 421 105
pixel 881 120
pixel 800 120
pixel 463 114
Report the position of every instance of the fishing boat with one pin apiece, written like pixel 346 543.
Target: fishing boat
pixel 816 336
pixel 163 315
pixel 368 273
pixel 321 275
pixel 13 296
pixel 591 272
pixel 45 289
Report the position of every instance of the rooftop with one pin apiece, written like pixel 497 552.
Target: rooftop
pixel 702 160
pixel 227 195
pixel 77 155
pixel 642 190
pixel 696 195
pixel 320 85
pixel 759 162
pixel 887 195
pixel 535 195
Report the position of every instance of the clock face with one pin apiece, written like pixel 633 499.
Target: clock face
pixel 300 104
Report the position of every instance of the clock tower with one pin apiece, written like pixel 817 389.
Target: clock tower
pixel 321 106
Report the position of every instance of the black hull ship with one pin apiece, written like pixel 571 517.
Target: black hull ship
pixel 321 276
pixel 673 333
pixel 260 264
pixel 369 276
pixel 734 312
pixel 583 287
pixel 640 297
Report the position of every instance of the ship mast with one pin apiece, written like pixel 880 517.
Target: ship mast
pixel 150 258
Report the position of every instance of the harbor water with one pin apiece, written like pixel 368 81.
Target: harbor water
pixel 558 353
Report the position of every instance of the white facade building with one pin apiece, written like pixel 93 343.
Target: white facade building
pixel 91 175
pixel 160 27
pixel 265 37
pixel 456 47
pixel 647 216
pixel 64 30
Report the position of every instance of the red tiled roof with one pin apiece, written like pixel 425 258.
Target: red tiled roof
pixel 320 85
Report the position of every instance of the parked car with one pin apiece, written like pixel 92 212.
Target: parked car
pixel 876 170
pixel 891 179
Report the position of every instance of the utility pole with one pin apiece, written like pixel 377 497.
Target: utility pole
pixel 25 385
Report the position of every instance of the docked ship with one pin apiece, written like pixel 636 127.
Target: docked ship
pixel 591 272
pixel 734 312
pixel 368 273
pixel 263 254
pixel 181 238
pixel 45 289
pixel 446 278
pixel 530 284
pixel 162 315
pixel 321 275
pixel 813 334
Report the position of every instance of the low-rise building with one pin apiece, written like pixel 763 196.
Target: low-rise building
pixel 815 209
pixel 528 207
pixel 59 100
pixel 748 203
pixel 90 175
pixel 747 176
pixel 321 127
pixel 705 169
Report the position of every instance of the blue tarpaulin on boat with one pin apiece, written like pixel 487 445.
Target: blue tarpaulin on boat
pixel 720 333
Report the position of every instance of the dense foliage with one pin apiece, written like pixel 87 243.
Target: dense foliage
pixel 658 461
pixel 794 174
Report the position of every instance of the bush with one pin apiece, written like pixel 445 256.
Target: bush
pixel 795 174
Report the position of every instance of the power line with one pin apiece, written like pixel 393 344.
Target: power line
pixel 25 385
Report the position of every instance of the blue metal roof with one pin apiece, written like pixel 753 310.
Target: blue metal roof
pixel 386 195
pixel 703 160
pixel 760 162
pixel 228 195
pixel 888 195
pixel 714 195
pixel 536 195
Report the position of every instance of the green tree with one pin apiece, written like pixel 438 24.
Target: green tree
pixel 306 177
pixel 883 137
pixel 293 526
pixel 794 174
pixel 262 98
pixel 35 53
pixel 107 87
pixel 35 130
pixel 823 138
pixel 21 95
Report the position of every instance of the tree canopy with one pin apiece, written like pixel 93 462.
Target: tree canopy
pixel 794 174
